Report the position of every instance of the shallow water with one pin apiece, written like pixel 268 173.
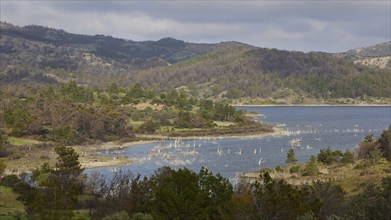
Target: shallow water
pixel 307 129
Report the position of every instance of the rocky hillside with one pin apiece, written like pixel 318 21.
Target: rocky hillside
pixel 378 55
pixel 378 50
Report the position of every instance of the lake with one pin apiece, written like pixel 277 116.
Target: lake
pixel 306 129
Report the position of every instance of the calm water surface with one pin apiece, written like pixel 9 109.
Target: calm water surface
pixel 307 129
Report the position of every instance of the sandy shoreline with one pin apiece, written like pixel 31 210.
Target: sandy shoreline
pixel 89 157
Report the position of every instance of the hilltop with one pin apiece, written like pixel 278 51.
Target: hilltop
pixel 378 55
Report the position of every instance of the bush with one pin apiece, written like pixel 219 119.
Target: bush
pixel 149 126
pixel 279 169
pixel 307 216
pixel 2 166
pixel 9 180
pixel 359 167
pixel 290 156
pixel 366 146
pixel 311 168
pixel 328 156
pixel 385 143
pixel 294 169
pixel 347 157
pixel 142 216
pixel 122 215
pixel 374 157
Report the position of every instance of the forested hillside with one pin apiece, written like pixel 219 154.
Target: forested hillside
pixel 225 70
pixel 248 72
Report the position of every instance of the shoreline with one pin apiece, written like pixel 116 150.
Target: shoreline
pixel 276 131
pixel 89 156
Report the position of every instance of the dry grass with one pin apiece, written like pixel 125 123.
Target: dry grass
pixel 136 124
pixel 17 141
pixel 224 123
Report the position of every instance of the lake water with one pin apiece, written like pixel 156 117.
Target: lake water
pixel 306 129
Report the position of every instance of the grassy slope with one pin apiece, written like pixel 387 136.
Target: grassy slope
pixel 350 177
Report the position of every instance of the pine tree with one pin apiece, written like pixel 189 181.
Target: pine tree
pixel 290 156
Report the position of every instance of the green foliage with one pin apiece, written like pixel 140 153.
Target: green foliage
pixel 369 138
pixel 235 93
pixel 9 180
pixel 373 203
pixel 276 199
pixel 307 216
pixel 2 166
pixel 290 156
pixel 347 157
pixel 18 185
pixel 311 168
pixel 366 146
pixel 294 169
pixel 142 216
pixel 3 140
pixel 374 157
pixel 73 92
pixel 67 161
pixel 184 194
pixel 328 156
pixel 16 117
pixel 331 196
pixel 279 169
pixel 40 176
pixel 149 126
pixel 372 150
pixel 63 134
pixel 122 215
pixel 385 143
pixel 168 194
pixel 56 197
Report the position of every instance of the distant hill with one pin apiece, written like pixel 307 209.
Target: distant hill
pixel 378 55
pixel 228 69
pixel 52 49
pixel 378 50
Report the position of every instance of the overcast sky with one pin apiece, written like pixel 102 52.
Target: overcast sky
pixel 329 26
